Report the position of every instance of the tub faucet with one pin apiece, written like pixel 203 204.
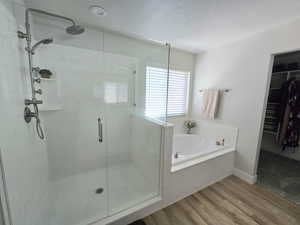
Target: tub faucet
pixel 223 142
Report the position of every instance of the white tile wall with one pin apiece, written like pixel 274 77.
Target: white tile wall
pixel 24 155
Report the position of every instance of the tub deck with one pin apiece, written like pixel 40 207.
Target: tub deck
pixel 229 202
pixel 191 149
pixel 192 161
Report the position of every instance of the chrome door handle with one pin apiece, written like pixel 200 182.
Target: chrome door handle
pixel 100 130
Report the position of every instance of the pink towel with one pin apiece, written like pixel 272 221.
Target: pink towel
pixel 209 104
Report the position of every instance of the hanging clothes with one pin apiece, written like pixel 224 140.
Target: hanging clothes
pixel 283 110
pixel 289 115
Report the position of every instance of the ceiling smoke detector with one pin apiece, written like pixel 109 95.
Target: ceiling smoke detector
pixel 97 10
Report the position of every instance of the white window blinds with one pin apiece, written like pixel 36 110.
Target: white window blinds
pixel 156 92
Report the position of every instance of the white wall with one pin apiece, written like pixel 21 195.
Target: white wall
pixel 146 151
pixel 23 154
pixel 243 67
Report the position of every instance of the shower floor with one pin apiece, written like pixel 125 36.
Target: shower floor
pixel 280 175
pixel 128 187
pixel 74 199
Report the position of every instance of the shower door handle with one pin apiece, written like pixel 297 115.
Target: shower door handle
pixel 100 130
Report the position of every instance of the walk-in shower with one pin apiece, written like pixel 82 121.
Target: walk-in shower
pixel 102 156
pixel 74 29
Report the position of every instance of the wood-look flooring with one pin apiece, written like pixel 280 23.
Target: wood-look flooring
pixel 229 202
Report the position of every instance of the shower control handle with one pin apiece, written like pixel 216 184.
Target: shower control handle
pixel 100 130
pixel 39 91
pixel 37 80
pixel 33 102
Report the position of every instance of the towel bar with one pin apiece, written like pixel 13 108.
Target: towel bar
pixel 224 90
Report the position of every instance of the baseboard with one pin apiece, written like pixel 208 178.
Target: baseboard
pixel 245 176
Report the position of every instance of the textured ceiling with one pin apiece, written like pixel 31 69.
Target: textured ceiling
pixel 188 24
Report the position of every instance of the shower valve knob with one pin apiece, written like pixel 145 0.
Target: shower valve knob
pixel 33 102
pixel 39 91
pixel 27 50
pixel 38 80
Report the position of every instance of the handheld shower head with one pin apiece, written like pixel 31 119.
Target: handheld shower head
pixel 47 41
pixel 75 29
pixel 44 41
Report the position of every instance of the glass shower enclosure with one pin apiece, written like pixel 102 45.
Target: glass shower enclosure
pixel 102 154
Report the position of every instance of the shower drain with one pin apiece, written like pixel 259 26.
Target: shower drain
pixel 99 191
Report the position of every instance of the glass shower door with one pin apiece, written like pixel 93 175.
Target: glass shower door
pixel 133 140
pixel 76 147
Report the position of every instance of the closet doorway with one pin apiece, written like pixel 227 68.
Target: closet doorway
pixel 279 161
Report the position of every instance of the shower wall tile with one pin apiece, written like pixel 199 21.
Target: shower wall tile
pixel 146 150
pixel 23 154
pixel 7 22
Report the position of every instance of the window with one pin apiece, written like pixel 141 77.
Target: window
pixel 156 92
pixel 115 92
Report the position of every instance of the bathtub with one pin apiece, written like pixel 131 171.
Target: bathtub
pixel 191 149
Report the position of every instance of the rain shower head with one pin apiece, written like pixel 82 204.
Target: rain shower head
pixel 75 29
pixel 44 41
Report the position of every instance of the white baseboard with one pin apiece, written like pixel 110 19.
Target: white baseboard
pixel 245 176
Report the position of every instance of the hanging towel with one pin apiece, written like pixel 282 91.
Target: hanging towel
pixel 209 107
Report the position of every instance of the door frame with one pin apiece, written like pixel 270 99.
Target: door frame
pixel 263 115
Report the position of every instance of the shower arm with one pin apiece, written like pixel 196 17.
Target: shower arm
pixel 28 10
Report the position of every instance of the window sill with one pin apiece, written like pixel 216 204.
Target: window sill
pixel 177 116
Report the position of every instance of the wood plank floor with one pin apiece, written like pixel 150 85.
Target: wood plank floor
pixel 229 202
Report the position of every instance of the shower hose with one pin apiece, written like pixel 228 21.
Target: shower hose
pixel 38 126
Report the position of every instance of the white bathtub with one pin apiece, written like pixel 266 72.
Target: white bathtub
pixel 190 149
